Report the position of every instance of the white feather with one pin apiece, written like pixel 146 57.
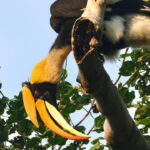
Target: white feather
pixel 138 31
pixel 93 10
pixel 114 29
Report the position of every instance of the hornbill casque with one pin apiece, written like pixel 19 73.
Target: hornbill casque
pixel 126 24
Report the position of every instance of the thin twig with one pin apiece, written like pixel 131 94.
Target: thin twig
pixel 59 148
pixel 53 141
pixel 87 134
pixel 121 64
pixel 128 79
pixel 91 129
pixel 71 121
pixel 88 112
pixel 2 93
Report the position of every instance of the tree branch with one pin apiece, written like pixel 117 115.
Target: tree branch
pixel 117 80
pixel 2 93
pixel 119 128
pixel 92 103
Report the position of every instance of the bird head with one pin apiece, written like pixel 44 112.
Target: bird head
pixel 39 97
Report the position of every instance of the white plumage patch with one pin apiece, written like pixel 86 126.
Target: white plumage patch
pixel 93 10
pixel 95 7
pixel 114 29
pixel 138 31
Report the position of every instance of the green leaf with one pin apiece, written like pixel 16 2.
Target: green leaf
pixel 64 74
pixel 72 146
pixel 127 68
pixel 99 121
pixel 145 121
pixel 3 103
pixel 142 112
pixel 145 99
pixel 25 127
pixel 95 141
pixel 34 143
pixel 2 146
pixel 125 55
pixel 3 131
pixel 80 128
pixel 16 109
pixel 147 137
pixel 85 99
pixel 95 109
pixel 59 140
pixel 133 79
pixel 18 142
pixel 96 147
pixel 127 96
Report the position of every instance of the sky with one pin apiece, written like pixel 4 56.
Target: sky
pixel 25 38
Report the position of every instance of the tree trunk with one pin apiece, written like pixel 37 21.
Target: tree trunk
pixel 120 130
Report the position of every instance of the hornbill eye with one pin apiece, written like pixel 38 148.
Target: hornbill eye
pixel 37 94
pixel 44 103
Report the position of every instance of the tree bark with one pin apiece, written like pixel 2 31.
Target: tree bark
pixel 120 130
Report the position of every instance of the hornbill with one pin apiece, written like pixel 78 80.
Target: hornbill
pixel 126 23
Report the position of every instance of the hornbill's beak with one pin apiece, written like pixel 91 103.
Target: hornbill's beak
pixel 44 108
pixel 40 101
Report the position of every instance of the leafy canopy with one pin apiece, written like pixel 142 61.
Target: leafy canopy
pixel 13 118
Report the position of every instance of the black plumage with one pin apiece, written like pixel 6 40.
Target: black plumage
pixel 65 12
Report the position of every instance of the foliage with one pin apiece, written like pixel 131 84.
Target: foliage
pixel 13 119
pixel 138 70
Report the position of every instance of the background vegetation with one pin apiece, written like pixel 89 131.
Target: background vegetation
pixel 135 93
